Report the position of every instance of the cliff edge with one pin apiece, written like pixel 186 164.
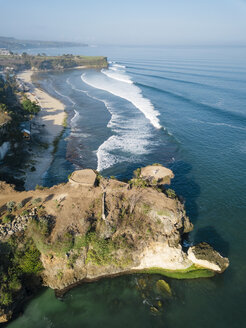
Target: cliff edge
pixel 92 227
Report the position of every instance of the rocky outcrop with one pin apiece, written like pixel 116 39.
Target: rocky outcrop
pixel 85 177
pixel 156 174
pixel 92 227
pixel 205 256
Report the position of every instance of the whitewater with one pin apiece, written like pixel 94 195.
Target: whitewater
pixel 118 83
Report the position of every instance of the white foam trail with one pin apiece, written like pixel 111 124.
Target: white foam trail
pixel 114 74
pixel 64 96
pixel 219 124
pixel 75 118
pixel 128 91
pixel 120 66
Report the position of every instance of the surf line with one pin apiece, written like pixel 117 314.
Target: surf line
pixel 127 91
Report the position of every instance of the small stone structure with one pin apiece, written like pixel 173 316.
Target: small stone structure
pixel 156 173
pixel 85 178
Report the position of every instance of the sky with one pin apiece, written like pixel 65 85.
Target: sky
pixel 126 22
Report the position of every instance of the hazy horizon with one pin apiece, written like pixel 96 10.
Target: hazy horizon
pixel 180 23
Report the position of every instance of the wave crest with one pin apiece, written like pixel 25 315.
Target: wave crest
pixel 119 84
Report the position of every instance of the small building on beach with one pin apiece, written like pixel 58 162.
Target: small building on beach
pixel 26 133
pixel 26 129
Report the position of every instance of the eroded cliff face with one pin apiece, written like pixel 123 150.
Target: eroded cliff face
pixel 86 230
pixel 140 228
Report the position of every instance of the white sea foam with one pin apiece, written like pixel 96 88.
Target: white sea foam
pixel 119 84
pixel 131 135
pixel 116 75
pixel 131 138
pixel 75 118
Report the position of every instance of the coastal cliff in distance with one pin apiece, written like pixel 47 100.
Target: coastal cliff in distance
pixel 92 227
pixel 17 62
pixel 14 44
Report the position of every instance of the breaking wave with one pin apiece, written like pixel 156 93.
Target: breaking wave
pixel 118 83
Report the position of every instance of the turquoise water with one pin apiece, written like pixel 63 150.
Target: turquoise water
pixel 184 108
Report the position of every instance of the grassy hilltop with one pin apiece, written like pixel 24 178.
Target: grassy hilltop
pixel 43 62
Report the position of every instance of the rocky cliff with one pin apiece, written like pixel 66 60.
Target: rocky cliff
pixel 92 227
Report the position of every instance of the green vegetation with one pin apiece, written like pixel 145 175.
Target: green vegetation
pixel 4 117
pixel 164 212
pixel 137 172
pixel 30 107
pixel 38 187
pixel 30 262
pixel 36 201
pixel 20 205
pixel 40 229
pixel 146 208
pixel 20 260
pixel 56 141
pixel 138 182
pixel 191 272
pixel 99 250
pixel 11 205
pixel 43 62
pixel 171 193
pixel 163 287
pixel 12 113
pixel 64 123
pixel 7 218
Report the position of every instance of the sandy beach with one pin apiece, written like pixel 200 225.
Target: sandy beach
pixel 51 119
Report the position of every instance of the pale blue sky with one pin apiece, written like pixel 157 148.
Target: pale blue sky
pixel 158 22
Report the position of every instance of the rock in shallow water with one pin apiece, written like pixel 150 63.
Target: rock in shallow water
pixel 204 255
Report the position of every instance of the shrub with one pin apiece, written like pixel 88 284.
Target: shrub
pixel 7 218
pixel 170 193
pixel 24 213
pixel 6 297
pixel 31 107
pixel 20 205
pixel 30 261
pixel 36 201
pixel 11 205
pixel 38 187
pixel 14 283
pixel 59 275
pixel 137 172
pixel 100 250
pixel 138 182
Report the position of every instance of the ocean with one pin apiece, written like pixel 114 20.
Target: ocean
pixel 183 107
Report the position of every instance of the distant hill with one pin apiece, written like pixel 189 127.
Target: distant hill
pixel 20 62
pixel 15 44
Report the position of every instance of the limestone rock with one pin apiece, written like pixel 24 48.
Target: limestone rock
pixel 85 177
pixel 5 317
pixel 204 255
pixel 156 174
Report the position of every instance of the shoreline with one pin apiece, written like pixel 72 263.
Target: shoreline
pixel 51 120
